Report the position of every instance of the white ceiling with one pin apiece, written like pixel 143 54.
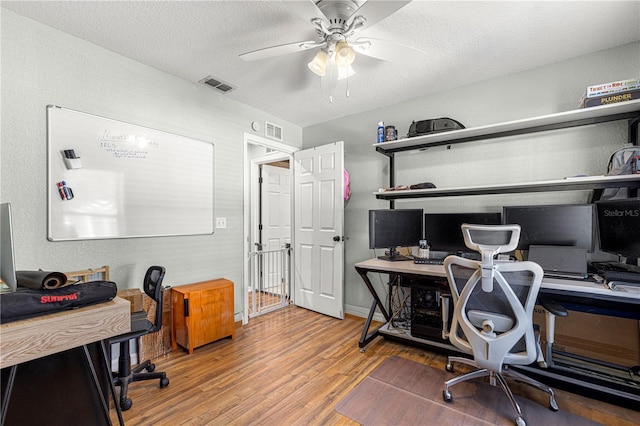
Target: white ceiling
pixel 465 42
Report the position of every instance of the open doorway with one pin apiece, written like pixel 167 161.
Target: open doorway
pixel 267 217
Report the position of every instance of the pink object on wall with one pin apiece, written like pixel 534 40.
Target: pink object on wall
pixel 347 190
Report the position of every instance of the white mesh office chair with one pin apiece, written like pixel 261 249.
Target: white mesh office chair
pixel 493 311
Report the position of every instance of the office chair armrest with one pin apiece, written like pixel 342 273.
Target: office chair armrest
pixel 553 307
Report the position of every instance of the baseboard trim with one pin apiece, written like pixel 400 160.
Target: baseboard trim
pixel 360 312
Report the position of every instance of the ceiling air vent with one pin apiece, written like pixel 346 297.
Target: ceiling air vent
pixel 273 131
pixel 217 84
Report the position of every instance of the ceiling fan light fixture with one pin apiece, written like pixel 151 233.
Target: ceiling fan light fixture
pixel 344 72
pixel 345 55
pixel 319 64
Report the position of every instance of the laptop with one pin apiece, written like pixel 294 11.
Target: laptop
pixel 560 261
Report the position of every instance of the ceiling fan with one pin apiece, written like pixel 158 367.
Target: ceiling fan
pixel 337 24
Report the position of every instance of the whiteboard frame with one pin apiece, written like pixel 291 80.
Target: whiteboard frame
pixel 54 154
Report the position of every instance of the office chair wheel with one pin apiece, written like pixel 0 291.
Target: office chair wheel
pixel 520 421
pixel 125 404
pixel 151 368
pixel 164 382
pixel 449 367
pixel 447 396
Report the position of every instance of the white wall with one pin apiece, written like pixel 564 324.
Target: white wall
pixel 536 92
pixel 42 66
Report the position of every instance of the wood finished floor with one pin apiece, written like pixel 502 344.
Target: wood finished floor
pixel 290 367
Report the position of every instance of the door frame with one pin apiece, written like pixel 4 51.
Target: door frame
pixel 255 195
pixel 286 151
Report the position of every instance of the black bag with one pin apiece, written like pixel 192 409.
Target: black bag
pixel 436 125
pixel 31 303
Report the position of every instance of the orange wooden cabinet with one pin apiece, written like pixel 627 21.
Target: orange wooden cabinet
pixel 202 313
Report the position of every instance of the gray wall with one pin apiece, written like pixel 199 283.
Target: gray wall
pixel 42 66
pixel 545 90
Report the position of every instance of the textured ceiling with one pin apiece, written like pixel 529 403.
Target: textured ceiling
pixel 465 42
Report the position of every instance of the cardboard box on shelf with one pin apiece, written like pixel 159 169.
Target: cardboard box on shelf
pixel 600 337
pixel 134 296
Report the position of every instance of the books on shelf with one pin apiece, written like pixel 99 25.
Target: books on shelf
pixel 610 99
pixel 599 90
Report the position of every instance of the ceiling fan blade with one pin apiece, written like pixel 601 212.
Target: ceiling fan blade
pixel 306 9
pixel 283 49
pixel 389 51
pixel 375 11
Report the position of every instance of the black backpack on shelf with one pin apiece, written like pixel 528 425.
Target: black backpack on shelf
pixel 436 125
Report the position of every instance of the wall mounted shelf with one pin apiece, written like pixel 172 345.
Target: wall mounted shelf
pixel 568 184
pixel 629 110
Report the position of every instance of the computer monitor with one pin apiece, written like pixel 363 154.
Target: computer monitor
pixel 389 229
pixel 7 254
pixel 619 226
pixel 443 233
pixel 553 225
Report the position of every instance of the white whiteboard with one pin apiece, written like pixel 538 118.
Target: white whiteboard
pixel 127 180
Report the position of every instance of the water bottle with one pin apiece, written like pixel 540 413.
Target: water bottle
pixel 381 131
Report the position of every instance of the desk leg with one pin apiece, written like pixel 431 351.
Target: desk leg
pixel 7 393
pixel 112 387
pixel 96 383
pixel 366 335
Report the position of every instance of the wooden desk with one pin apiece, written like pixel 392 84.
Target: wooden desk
pixel 56 336
pixel 580 295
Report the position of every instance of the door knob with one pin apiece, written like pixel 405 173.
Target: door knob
pixel 336 238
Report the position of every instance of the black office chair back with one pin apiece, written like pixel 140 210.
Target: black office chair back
pixel 153 288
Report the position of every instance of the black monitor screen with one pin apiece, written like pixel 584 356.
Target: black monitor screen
pixel 619 226
pixel 557 225
pixel 443 233
pixel 389 229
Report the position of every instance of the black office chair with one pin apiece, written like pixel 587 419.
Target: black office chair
pixel 140 327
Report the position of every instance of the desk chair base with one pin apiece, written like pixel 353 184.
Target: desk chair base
pixel 126 375
pixel 495 377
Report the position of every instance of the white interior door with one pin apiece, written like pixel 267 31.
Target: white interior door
pixel 319 229
pixel 276 207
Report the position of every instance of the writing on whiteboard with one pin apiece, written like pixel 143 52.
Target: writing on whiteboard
pixel 123 145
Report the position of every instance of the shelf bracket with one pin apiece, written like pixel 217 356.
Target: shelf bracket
pixel 392 177
pixel 634 125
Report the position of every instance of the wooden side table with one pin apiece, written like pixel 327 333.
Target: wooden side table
pixel 202 313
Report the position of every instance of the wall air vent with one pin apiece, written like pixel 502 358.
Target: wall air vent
pixel 273 131
pixel 217 84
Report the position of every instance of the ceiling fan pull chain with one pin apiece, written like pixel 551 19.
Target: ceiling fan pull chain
pixel 347 86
